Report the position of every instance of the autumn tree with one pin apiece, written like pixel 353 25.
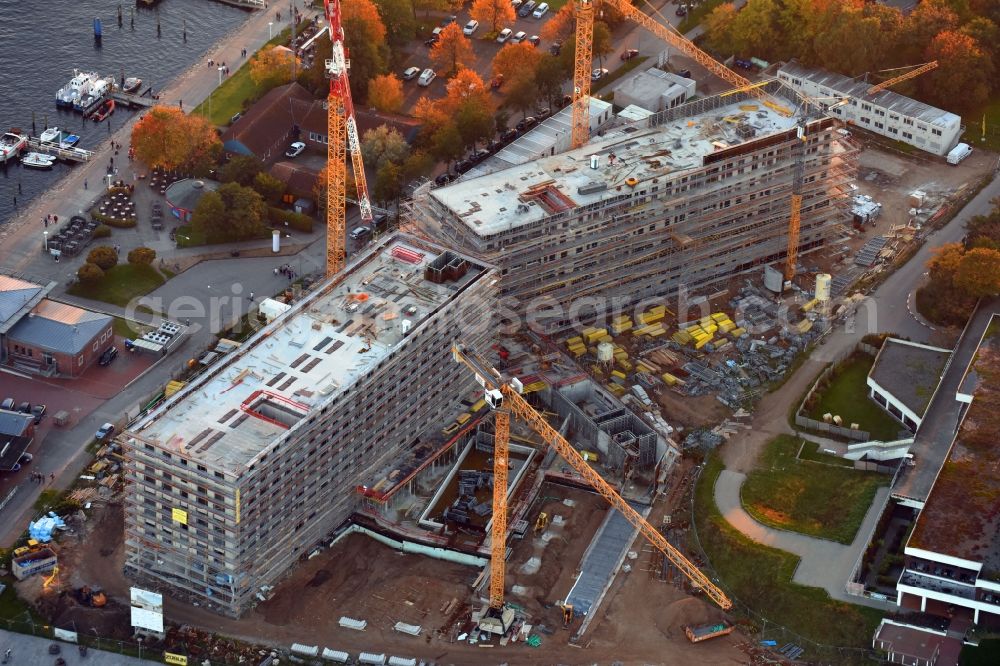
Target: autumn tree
pixel 240 169
pixel 453 51
pixel 929 18
pixel 522 95
pixel 754 31
pixel 385 93
pixel 272 67
pixel 365 41
pixel 89 273
pixel 398 18
pixel 430 5
pixel 516 61
pixel 446 144
pixel 964 76
pixel 549 77
pixel 165 137
pixel 561 25
pixel 103 256
pixel 388 183
pixel 232 213
pixel 383 144
pixel 419 163
pixel 141 256
pixel 978 273
pixel 268 187
pixel 718 27
pixel 497 14
pixel 367 13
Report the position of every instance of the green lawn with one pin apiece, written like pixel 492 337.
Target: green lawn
pixel 974 126
pixel 810 451
pixel 190 236
pixel 227 100
pixel 122 327
pixel 847 396
pixel 759 577
pixel 793 494
pixel 618 73
pixel 120 284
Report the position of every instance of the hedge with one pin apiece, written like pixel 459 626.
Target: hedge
pixel 291 219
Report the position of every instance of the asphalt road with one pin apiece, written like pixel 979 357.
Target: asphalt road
pixel 28 650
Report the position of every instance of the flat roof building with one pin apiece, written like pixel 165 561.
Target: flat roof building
pixel 654 90
pixel 257 460
pixel 58 339
pixel 887 113
pixel 904 377
pixel 691 196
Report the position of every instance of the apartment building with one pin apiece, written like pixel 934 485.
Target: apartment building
pixel 887 113
pixel 688 197
pixel 258 459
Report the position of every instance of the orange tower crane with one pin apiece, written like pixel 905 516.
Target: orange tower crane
pixel 584 56
pixel 504 396
pixel 342 135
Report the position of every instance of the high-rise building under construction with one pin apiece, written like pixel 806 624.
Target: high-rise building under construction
pixel 259 458
pixel 688 197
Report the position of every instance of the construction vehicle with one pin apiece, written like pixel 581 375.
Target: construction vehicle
pixel 706 631
pixel 504 396
pixel 31 547
pixel 541 522
pixel 91 597
pixel 342 135
pixel 567 611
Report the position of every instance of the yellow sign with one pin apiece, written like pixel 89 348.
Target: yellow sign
pixel 178 659
pixel 180 516
pixel 237 506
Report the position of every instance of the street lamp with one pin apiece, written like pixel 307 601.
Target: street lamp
pixel 221 69
pixel 46 235
pixel 269 24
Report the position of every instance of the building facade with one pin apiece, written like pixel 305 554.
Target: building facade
pixel 887 113
pixel 256 461
pixel 686 199
pixel 58 339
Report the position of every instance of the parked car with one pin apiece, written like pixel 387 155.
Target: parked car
pixel 432 41
pixel 504 35
pixel 470 28
pixel 628 54
pixel 556 48
pixel 109 355
pixel 543 113
pixel 8 404
pixel 448 20
pixel 157 209
pixel 508 135
pixel 516 4
pixel 236 116
pixel 519 37
pixel 686 73
pixel 39 412
pixel 463 166
pixel 541 10
pixel 295 149
pixel 444 179
pixel 527 123
pixel 360 232
pixel 745 64
pixel 426 77
pixel 25 459
pixel 682 10
pixel 104 431
pixel 535 40
pixel 598 74
pixel 496 82
pixel 24 408
pixel 411 73
pixel 479 155
pixel 526 9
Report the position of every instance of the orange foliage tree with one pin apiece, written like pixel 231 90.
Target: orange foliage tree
pixel 495 13
pixel 385 93
pixel 453 51
pixel 366 12
pixel 559 26
pixel 965 72
pixel 271 67
pixel 978 272
pixel 515 62
pixel 166 137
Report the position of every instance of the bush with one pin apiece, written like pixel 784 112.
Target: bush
pixel 141 256
pixel 107 220
pixel 104 256
pixel 102 231
pixel 90 273
pixel 291 219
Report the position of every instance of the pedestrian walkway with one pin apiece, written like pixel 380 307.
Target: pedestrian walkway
pixel 823 563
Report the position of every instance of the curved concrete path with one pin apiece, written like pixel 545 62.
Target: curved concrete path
pixel 822 563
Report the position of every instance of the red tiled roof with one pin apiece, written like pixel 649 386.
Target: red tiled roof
pixel 265 127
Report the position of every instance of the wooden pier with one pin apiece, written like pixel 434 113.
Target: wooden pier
pixel 68 154
pixel 134 101
pixel 246 4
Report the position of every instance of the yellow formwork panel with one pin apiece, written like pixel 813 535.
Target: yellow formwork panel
pixel 738 332
pixel 719 316
pixel 669 378
pixel 463 418
pixel 617 389
pixel 625 365
pixel 804 325
pixel 578 340
pixel 726 326
pixel 701 343
pixel 605 338
pixel 595 334
pixel 618 373
pixel 479 405
pixel 711 329
pixel 683 337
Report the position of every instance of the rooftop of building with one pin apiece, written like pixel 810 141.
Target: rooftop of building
pixel 528 192
pixel 886 99
pixel 186 193
pixel 309 356
pixel 16 297
pixel 913 642
pixel 14 424
pixel 653 81
pixel 961 517
pixel 59 327
pixel 910 372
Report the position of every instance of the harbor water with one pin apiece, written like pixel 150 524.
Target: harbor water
pixel 41 43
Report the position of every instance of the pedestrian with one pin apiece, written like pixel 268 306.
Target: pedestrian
pixel 52 477
pixel 19 190
pixel 180 103
pixel 15 202
pixel 251 295
pixel 55 219
pixel 275 271
pixel 84 183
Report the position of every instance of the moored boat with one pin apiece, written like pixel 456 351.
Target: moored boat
pixel 38 161
pixel 67 140
pixel 69 95
pixel 11 145
pixel 50 135
pixel 131 85
pixel 94 95
pixel 105 110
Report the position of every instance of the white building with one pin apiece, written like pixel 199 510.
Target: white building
pixel 904 377
pixel 654 90
pixel 887 113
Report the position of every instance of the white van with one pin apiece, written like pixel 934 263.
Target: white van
pixel 959 153
pixel 504 35
pixel 540 10
pixel 426 77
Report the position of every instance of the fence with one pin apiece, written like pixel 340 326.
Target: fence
pixel 831 428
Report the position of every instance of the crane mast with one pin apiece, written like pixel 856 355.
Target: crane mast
pixel 342 136
pixel 504 397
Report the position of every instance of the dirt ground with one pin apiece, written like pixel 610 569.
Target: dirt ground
pixel 691 411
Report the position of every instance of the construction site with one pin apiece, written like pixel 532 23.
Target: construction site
pixel 484 431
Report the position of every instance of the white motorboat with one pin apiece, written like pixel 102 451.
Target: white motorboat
pixel 69 95
pixel 11 145
pixel 94 95
pixel 132 85
pixel 51 135
pixel 38 161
